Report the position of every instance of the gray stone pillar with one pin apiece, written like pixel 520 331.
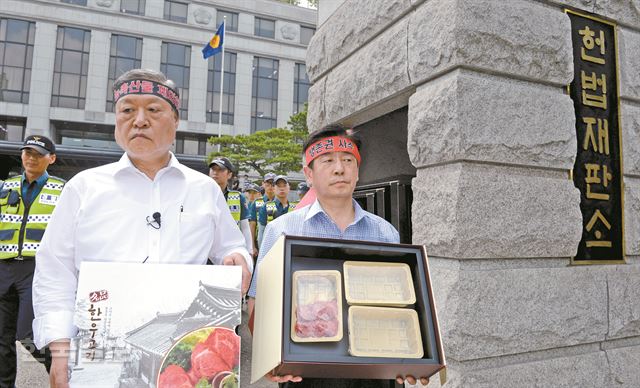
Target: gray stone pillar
pixel 41 79
pixel 285 92
pixel 245 23
pixel 197 89
pixel 327 8
pixel 491 133
pixel 151 53
pixel 244 79
pixel 154 9
pixel 98 73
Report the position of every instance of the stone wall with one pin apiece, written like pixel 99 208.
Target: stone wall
pixel 491 132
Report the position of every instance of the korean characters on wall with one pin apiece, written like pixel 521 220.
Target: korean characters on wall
pixel 597 172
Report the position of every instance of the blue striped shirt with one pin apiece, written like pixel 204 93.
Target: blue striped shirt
pixel 312 221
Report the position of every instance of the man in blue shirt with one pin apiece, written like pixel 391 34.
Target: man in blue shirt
pixel 331 159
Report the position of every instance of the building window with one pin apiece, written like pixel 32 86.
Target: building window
pixel 76 2
pixel 264 94
pixel 175 62
pixel 306 33
pixel 191 144
pixel 175 10
pixel 16 54
pixel 133 7
pixel 85 135
pixel 213 88
pixel 300 87
pixel 126 54
pixel 232 20
pixel 12 128
pixel 265 28
pixel 71 68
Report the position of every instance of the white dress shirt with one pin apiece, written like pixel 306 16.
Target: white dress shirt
pixel 105 214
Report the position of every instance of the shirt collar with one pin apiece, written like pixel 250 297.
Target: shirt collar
pixel 316 208
pixel 125 164
pixel 277 201
pixel 266 199
pixel 40 181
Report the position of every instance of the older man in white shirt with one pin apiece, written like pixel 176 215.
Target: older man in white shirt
pixel 145 208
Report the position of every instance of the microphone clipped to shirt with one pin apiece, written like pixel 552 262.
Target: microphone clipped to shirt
pixel 155 223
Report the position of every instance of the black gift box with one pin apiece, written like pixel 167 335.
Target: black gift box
pixel 273 348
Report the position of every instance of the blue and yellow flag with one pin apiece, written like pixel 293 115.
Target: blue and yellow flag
pixel 215 44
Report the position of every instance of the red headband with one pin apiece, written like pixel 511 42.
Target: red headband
pixel 143 86
pixel 331 144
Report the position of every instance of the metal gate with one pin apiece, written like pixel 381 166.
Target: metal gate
pixel 390 200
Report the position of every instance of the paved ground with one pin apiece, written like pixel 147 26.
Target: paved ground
pixel 31 374
pixel 245 359
pixel 89 377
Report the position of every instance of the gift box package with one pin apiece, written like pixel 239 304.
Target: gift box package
pixel 385 311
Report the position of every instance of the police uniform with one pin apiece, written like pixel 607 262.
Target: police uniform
pixel 237 205
pixel 274 209
pixel 24 215
pixel 258 203
pixel 254 212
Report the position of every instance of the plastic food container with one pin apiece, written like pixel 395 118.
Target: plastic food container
pixel 316 306
pixel 378 284
pixel 384 332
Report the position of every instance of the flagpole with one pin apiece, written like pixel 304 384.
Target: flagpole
pixel 224 21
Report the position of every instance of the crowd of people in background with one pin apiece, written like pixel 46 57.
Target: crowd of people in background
pixel 253 207
pixel 149 208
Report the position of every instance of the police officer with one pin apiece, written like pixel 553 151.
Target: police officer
pixel 222 171
pixel 302 189
pixel 26 204
pixel 279 205
pixel 257 229
pixel 252 192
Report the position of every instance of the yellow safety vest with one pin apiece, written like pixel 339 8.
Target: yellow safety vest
pixel 21 228
pixel 233 201
pixel 272 209
pixel 259 203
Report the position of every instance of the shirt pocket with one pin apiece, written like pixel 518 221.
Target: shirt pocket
pixel 196 235
pixel 110 234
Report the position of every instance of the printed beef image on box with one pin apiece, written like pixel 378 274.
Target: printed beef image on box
pixel 142 325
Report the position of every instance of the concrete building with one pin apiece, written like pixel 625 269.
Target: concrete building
pixel 60 57
pixel 470 98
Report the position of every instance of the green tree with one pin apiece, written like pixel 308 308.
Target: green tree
pixel 275 150
pixel 298 123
